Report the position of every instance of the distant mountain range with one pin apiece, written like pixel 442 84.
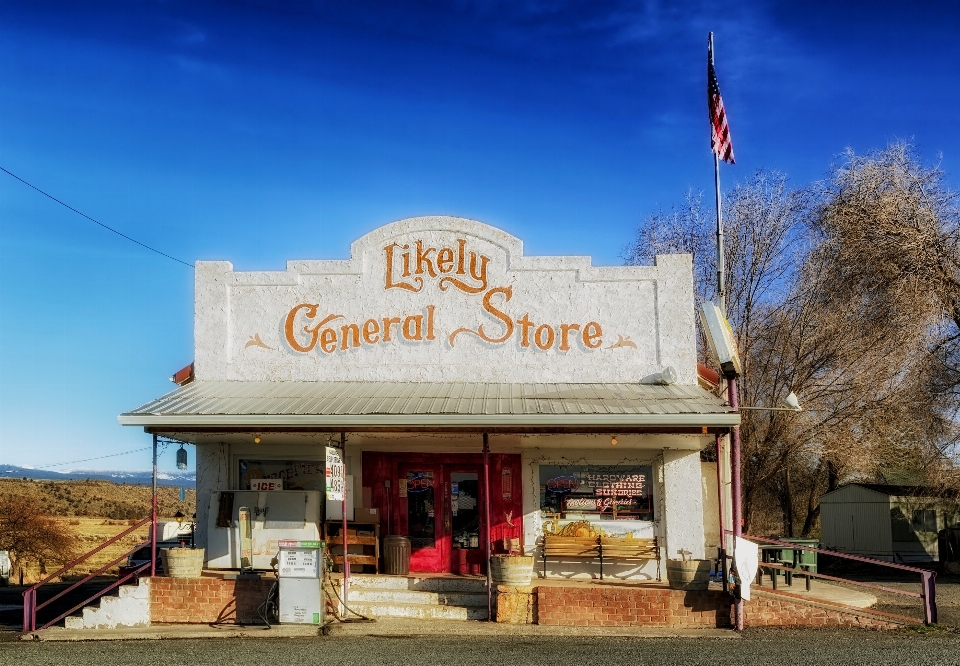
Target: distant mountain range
pixel 139 477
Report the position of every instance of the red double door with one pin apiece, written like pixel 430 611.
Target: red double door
pixel 438 502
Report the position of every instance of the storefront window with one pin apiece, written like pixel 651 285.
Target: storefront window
pixel 464 491
pixel 597 492
pixel 421 510
pixel 296 474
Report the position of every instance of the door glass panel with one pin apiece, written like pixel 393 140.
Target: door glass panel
pixel 465 509
pixel 421 511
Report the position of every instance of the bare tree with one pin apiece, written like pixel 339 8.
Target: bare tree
pixel 869 341
pixel 32 537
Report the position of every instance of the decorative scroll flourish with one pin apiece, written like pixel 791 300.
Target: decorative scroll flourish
pixel 623 341
pixel 255 341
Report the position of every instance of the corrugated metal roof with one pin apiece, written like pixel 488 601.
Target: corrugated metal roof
pixel 423 404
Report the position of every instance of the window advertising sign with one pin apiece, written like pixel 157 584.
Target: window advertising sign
pixel 605 492
pixel 294 474
pixel 336 479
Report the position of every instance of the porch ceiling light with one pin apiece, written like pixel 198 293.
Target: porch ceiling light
pixel 613 440
pixel 256 438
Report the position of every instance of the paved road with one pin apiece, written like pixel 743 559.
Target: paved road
pixel 755 647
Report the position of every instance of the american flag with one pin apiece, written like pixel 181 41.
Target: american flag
pixel 720 141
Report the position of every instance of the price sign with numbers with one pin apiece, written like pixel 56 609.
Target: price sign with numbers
pixel 336 474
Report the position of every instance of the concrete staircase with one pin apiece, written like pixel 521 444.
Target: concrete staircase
pixel 430 597
pixel 130 608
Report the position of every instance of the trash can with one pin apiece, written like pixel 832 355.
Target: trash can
pixel 396 555
pixel 802 559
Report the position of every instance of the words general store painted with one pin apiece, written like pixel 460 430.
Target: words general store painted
pixel 440 299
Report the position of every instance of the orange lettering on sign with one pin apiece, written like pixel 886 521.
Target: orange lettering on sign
pixel 544 336
pixel 443 262
pixel 390 283
pixel 310 312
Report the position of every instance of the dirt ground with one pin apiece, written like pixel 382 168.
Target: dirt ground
pixel 948 597
pixel 91 532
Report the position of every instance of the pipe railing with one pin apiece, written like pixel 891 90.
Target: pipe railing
pixel 928 585
pixel 30 606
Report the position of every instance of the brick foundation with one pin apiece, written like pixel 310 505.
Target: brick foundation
pixel 206 600
pixel 631 605
pixel 777 610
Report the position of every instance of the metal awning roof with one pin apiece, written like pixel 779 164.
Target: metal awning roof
pixel 442 405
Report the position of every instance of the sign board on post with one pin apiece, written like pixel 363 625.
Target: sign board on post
pixel 336 475
pixel 721 340
pixel 266 484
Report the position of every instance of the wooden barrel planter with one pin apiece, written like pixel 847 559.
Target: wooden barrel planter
pixel 182 562
pixel 512 570
pixel 688 574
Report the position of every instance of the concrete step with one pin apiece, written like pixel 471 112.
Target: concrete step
pixel 379 595
pixel 73 622
pixel 420 611
pixel 131 608
pixel 424 584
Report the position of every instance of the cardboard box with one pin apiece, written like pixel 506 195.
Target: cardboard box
pixel 366 516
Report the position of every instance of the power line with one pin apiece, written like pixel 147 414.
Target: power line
pixel 74 462
pixel 122 235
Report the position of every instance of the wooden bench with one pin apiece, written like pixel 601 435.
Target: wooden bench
pixel 622 548
pixel 602 548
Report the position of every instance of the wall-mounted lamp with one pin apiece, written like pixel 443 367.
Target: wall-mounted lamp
pixel 256 438
pixel 613 440
pixel 791 402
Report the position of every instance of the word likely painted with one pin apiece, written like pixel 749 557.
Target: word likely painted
pixel 416 327
pixel 407 267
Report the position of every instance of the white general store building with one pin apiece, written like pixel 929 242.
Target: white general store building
pixel 438 333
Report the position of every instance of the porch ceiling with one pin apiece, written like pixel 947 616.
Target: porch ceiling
pixel 432 406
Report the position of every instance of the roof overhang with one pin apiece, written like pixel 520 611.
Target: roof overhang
pixel 462 407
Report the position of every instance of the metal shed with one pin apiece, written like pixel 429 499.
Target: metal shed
pixel 886 521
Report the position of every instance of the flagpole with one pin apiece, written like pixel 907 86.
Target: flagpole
pixel 735 481
pixel 721 292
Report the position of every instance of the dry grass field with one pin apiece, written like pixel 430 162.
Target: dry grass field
pixel 95 511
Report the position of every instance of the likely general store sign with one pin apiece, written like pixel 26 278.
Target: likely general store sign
pixel 445 299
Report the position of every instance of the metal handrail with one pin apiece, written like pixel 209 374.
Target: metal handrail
pixel 928 585
pixel 30 606
pixel 120 581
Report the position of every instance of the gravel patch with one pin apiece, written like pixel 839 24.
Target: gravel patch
pixel 833 648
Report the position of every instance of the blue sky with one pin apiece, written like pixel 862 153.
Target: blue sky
pixel 263 131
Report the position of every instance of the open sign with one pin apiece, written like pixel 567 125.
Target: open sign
pixel 563 484
pixel 419 484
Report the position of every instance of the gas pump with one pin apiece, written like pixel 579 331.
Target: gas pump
pixel 301 596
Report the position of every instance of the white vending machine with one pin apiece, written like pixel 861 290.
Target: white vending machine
pixel 301 595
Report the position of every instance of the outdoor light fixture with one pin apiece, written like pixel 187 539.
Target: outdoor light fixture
pixel 666 377
pixel 791 402
pixel 179 515
pixel 256 438
pixel 613 440
pixel 181 458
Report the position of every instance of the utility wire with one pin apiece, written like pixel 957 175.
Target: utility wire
pixel 74 462
pixel 132 240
